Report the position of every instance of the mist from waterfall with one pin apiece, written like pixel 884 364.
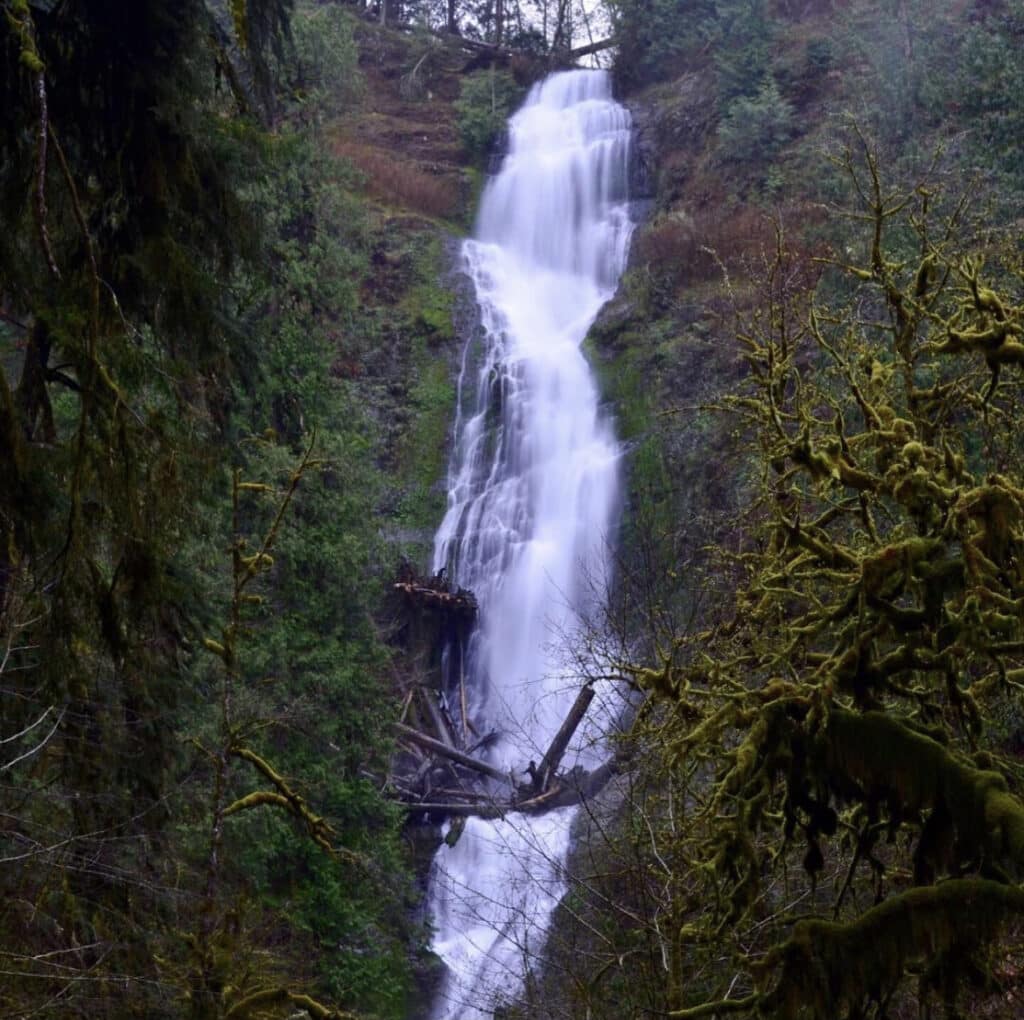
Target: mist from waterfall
pixel 532 500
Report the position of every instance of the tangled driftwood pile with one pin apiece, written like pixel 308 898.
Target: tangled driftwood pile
pixel 435 775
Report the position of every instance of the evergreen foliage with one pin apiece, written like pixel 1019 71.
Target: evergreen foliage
pixel 486 100
pixel 193 692
pixel 755 128
pixel 743 32
pixel 655 35
pixel 985 87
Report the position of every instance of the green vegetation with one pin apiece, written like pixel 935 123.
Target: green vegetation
pixel 755 128
pixel 657 37
pixel 225 402
pixel 841 692
pixel 425 457
pixel 484 104
pixel 194 692
pixel 823 815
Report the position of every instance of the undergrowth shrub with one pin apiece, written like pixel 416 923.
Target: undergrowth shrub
pixel 400 182
pixel 685 252
pixel 483 107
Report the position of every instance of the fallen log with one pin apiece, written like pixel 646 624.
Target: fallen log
pixel 488 48
pixel 461 601
pixel 437 718
pixel 406 702
pixel 592 783
pixel 467 726
pixel 459 810
pixel 553 757
pixel 476 46
pixel 568 790
pixel 594 47
pixel 485 741
pixel 437 747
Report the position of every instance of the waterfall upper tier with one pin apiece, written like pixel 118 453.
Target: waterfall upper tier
pixel 559 200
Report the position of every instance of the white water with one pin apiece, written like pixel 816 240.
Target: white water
pixel 532 496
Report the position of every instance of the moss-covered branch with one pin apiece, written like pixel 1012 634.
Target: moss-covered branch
pixel 719 1007
pixel 873 629
pixel 318 829
pixel 267 997
pixel 829 967
pixel 881 758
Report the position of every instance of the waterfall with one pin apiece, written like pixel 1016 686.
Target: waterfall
pixel 532 497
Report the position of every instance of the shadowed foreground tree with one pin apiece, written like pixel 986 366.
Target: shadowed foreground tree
pixel 224 974
pixel 168 275
pixel 846 827
pixel 123 219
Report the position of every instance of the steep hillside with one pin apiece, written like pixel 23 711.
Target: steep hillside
pixel 743 127
pixel 408 166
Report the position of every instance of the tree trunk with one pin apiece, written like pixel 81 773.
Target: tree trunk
pixel 553 758
pixel 904 18
pixel 594 47
pixel 32 396
pixel 437 719
pixel 430 744
pixel 573 789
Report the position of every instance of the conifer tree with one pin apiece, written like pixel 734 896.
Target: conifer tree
pixel 122 224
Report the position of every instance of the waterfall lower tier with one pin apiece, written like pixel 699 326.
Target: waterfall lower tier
pixel 531 504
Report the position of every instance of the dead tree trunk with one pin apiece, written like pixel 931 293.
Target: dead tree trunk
pixel 437 719
pixel 451 753
pixel 566 791
pixel 546 790
pixel 594 47
pixel 553 758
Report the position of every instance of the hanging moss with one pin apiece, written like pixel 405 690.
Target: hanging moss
pixel 879 757
pixel 829 723
pixel 831 969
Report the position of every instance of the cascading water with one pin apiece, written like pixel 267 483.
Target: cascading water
pixel 532 495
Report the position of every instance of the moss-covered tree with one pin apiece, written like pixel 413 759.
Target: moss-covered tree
pixel 847 829
pixel 123 221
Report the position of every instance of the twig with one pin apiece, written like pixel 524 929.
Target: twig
pixel 39 746
pixel 44 123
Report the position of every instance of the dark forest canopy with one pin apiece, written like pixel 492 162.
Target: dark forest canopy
pixel 187 658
